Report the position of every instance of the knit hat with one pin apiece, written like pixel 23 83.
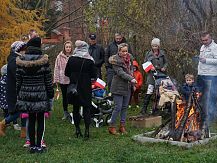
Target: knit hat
pixel 4 70
pixel 18 46
pixel 155 41
pixel 35 42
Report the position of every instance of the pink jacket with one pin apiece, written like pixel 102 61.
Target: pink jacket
pixel 59 69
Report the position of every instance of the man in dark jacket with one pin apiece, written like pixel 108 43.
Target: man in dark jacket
pixel 113 50
pixel 97 52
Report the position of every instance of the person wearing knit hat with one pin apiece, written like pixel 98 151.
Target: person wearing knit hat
pixel 80 69
pixel 155 41
pixel 158 59
pixel 18 46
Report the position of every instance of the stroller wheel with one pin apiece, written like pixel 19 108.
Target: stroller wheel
pixel 95 122
pixel 108 118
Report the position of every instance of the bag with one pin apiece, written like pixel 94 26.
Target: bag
pixel 72 90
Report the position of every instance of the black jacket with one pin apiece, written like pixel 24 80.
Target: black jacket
pixel 34 83
pixel 98 54
pixel 11 96
pixel 113 50
pixel 84 81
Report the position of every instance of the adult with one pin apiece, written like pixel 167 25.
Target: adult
pixel 17 48
pixel 80 69
pixel 34 89
pixel 207 75
pixel 113 50
pixel 121 86
pixel 98 54
pixel 157 57
pixel 59 77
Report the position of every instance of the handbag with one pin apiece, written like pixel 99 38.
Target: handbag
pixel 72 88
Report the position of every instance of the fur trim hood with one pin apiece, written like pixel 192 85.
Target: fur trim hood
pixel 32 60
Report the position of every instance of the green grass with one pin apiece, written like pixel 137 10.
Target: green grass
pixel 102 147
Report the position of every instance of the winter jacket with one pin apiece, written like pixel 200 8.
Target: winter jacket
pixel 187 89
pixel 137 75
pixel 121 84
pixel 59 69
pixel 3 102
pixel 210 54
pixel 72 70
pixel 34 83
pixel 158 62
pixel 98 54
pixel 113 50
pixel 11 96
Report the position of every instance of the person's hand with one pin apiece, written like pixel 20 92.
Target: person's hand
pixel 134 88
pixel 202 60
pixel 133 81
pixel 163 69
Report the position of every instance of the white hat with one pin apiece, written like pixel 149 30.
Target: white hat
pixel 18 45
pixel 155 41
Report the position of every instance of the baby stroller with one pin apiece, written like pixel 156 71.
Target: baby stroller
pixel 102 107
pixel 165 92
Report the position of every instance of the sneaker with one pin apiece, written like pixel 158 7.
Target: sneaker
pixel 17 127
pixel 43 145
pixel 27 144
pixel 66 115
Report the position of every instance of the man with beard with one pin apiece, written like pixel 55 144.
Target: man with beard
pixel 112 50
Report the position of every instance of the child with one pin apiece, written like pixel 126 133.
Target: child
pixel 188 87
pixel 137 88
pixel 3 102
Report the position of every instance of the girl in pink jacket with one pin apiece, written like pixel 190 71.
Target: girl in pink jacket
pixel 60 79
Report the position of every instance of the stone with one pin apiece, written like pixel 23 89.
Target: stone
pixel 145 122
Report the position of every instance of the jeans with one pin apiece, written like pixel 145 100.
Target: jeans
pixel 208 87
pixel 121 104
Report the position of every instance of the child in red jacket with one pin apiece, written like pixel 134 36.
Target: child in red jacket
pixel 137 88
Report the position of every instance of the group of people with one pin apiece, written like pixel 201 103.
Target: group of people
pixel 29 83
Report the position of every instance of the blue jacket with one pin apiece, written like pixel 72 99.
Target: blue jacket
pixel 187 89
pixel 3 102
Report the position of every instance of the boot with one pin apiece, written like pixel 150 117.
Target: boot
pixel 23 132
pixel 2 128
pixel 147 98
pixel 112 130
pixel 78 132
pixel 86 133
pixel 122 128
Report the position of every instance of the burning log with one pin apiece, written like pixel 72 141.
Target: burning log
pixel 179 131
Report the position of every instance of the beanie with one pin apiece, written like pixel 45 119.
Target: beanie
pixel 4 70
pixel 18 46
pixel 35 42
pixel 155 41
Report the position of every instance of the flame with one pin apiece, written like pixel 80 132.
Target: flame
pixel 192 123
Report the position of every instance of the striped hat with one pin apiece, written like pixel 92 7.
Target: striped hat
pixel 18 46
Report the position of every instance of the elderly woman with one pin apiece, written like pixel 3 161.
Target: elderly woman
pixel 80 69
pixel 121 86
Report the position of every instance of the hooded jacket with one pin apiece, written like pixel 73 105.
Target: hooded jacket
pixel 59 69
pixel 34 82
pixel 137 75
pixel 121 82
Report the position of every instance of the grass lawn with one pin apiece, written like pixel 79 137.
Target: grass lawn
pixel 102 147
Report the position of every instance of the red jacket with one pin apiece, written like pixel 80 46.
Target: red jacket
pixel 138 76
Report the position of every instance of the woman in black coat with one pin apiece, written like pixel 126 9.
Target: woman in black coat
pixel 34 89
pixel 81 57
